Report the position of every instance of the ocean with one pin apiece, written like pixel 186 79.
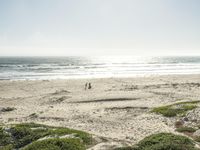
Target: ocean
pixel 34 68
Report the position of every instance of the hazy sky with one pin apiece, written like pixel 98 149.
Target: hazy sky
pixel 99 27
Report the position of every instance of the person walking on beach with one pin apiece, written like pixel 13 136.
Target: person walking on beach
pixel 89 86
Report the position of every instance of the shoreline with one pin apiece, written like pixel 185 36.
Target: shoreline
pixel 104 77
pixel 115 108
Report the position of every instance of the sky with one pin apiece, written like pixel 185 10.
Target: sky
pixel 99 27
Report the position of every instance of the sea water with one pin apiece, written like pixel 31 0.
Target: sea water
pixel 18 68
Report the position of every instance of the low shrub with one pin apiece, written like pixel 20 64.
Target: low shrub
pixel 186 129
pixel 5 138
pixel 7 147
pixel 56 144
pixel 164 141
pixel 21 135
pixel 125 148
pixel 175 109
pixel 197 138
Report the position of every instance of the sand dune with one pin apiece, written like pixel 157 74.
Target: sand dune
pixel 115 108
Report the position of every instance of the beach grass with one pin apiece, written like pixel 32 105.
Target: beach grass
pixel 56 144
pixel 197 139
pixel 186 129
pixel 5 138
pixel 7 147
pixel 163 141
pixel 125 148
pixel 176 109
pixel 20 135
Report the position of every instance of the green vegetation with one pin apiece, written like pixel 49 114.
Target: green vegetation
pixel 186 129
pixel 7 147
pixel 56 144
pixel 176 109
pixel 31 125
pixel 125 148
pixel 166 141
pixel 163 141
pixel 197 138
pixel 30 136
pixel 21 135
pixel 5 138
pixel 85 137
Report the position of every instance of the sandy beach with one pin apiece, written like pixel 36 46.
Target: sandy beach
pixel 115 108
